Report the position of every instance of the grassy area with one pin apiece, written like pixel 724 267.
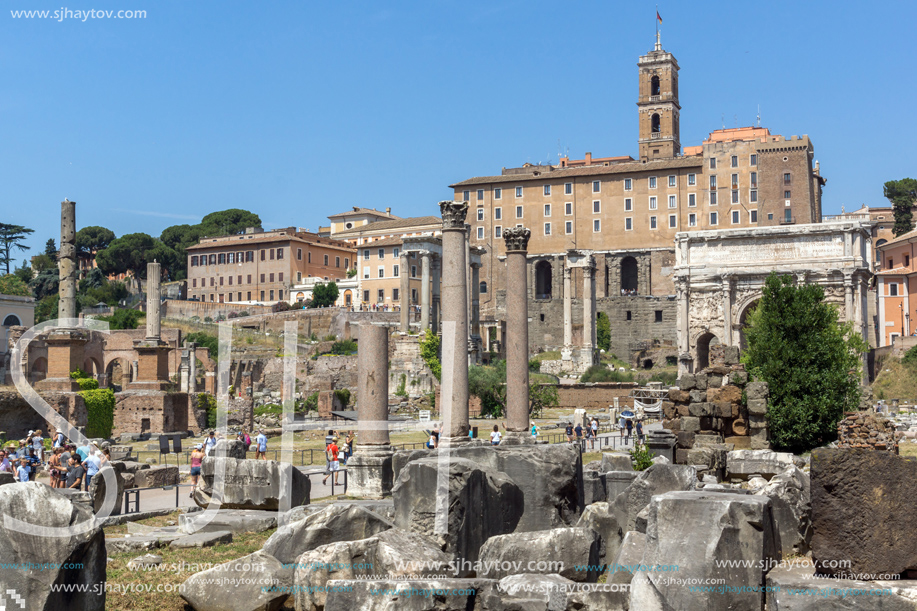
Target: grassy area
pixel 248 339
pixel 614 361
pixel 907 449
pixel 550 355
pixel 895 380
pixel 177 565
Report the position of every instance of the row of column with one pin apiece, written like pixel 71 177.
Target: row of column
pixel 588 345
pixel 429 291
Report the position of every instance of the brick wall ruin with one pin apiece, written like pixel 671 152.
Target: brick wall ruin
pixel 867 430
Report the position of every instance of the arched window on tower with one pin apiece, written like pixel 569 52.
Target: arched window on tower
pixel 654 86
pixel 656 123
pixel 629 276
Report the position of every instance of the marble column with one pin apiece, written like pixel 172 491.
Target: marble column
pixel 455 310
pixel 404 292
pixel 192 367
pixel 475 301
pixel 517 347
pixel 567 352
pixel 589 310
pixel 67 263
pixel 152 352
pixel 436 315
pixel 848 298
pixel 370 473
pixel 468 273
pixel 153 300
pixel 424 291
pixel 682 322
pixel 727 310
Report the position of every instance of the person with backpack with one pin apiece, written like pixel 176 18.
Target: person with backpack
pixel 630 429
pixel 261 440
pixel 569 432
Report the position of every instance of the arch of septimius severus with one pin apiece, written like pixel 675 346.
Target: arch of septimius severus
pixel 719 277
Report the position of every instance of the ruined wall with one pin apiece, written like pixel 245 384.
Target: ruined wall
pixel 150 412
pixel 592 397
pixel 867 430
pixel 17 417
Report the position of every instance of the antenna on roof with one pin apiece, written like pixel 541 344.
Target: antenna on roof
pixel 759 116
pixel 723 119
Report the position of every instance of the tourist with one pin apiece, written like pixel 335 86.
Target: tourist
pixel 21 451
pixel 197 456
pixel 495 436
pixel 640 435
pixel 630 429
pixel 210 443
pixel 534 429
pixel 34 464
pixel 434 435
pixel 65 454
pixel 92 464
pixel 105 456
pixel 589 436
pixel 5 466
pixel 58 439
pixel 83 452
pixel 261 440
pixel 431 443
pixel 594 425
pixel 22 473
pixel 569 432
pixel 74 473
pixel 578 429
pixel 54 464
pixel 38 444
pixel 331 455
pixel 351 439
pixel 621 425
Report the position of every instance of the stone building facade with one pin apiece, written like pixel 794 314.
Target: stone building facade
pixel 627 211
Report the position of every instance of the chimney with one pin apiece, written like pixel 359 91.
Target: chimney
pixel 588 158
pixel 388 210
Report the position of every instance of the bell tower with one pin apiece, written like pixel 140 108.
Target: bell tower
pixel 657 105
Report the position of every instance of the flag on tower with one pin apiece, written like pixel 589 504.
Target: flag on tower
pixel 658 18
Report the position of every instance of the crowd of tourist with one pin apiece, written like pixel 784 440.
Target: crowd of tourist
pixel 69 466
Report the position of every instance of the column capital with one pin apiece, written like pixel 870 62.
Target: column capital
pixel 453 214
pixel 517 239
pixel 567 273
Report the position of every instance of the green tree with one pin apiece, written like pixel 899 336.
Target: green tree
pixel 810 362
pixel 24 272
pixel 46 308
pixel 51 248
pixel 123 318
pixel 11 284
pixel 324 295
pixel 429 352
pixel 488 383
pixel 902 194
pixel 220 223
pixel 603 331
pixel 92 239
pixel 43 262
pixel 131 253
pixel 12 237
pixel 205 340
pixel 45 284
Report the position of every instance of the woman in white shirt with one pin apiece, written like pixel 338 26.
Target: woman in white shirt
pixel 495 436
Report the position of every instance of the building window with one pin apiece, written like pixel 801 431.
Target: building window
pixel 653 203
pixel 250 256
pixel 396 271
pixel 713 163
pixel 272 294
pixel 713 198
pixel 892 290
pixel 786 178
pixel 568 227
pixel 230 280
pixel 381 253
pixel 396 252
pixel 753 160
pixel 413 271
pixel 221 258
pixel 735 161
pixel 652 182
pixel 366 296
pixel 381 294
pixel 692 200
pixel 713 182
pixel 692 220
pixel 596 207
pixel 498 214
pixel 365 255
pixel 788 215
pixel 271 251
pixel 480 214
pixel 518 212
pixel 309 256
pixel 326 260
pixel 480 194
pixel 754 180
pixel 628 315
pixel 596 186
pixel 480 233
pixel 262 278
pixel 194 261
pixel 672 221
pixel 271 278
pixel 672 181
pixel 518 191
pixel 498 232
pixel 652 222
pixel 498 193
pixel 483 287
pixel 568 208
pixel 735 181
pixel 366 273
pixel 628 204
pixel 628 224
pixel 213 259
pixel 673 203
pixel 298 277
pixel 279 253
pixel 786 195
pixel 568 188
pixel 547 228
pixel 596 226
pixel 753 196
pixel 547 189
pixel 194 283
pixel 735 197
pixel 692 180
pixel 547 209
pixel 396 295
pixel 381 271
pixel 628 184
pixel 337 261
pixel 248 279
pixel 346 263
pixel 262 296
pixel 658 317
pixel 753 216
pixel 466 195
pixel 735 217
pixel 280 294
pixel 713 219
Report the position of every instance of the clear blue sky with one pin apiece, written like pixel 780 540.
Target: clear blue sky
pixel 296 110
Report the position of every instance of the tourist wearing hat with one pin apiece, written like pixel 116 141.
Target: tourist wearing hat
pixel 261 440
pixel 209 443
pixel 58 439
pixel 534 429
pixel 197 457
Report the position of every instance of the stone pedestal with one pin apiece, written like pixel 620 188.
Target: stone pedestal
pixel 152 365
pixel 369 472
pixel 370 468
pixel 662 443
pixel 65 354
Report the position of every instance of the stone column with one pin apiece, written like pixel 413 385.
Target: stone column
pixel 436 264
pixel 589 309
pixel 475 301
pixel 727 310
pixel 567 352
pixel 517 347
pixel 424 291
pixel 455 309
pixel 848 298
pixel 468 273
pixel 404 292
pixel 66 307
pixel 682 321
pixel 153 299
pixel 183 371
pixel 370 468
pixel 192 367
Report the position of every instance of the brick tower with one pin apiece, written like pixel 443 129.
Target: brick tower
pixel 657 105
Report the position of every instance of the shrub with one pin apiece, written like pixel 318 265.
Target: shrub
pixel 668 378
pixel 205 340
pixel 429 352
pixel 123 319
pixel 348 346
pixel 244 313
pixel 281 306
pixel 910 357
pixel 642 458
pixel 76 374
pixel 603 331
pixel 342 394
pixel 208 319
pixel 12 285
pixel 330 338
pixel 269 409
pixel 209 403
pixel 87 383
pixel 311 403
pixel 535 365
pixel 601 373
pixel 401 392
pixel 233 315
pixel 100 408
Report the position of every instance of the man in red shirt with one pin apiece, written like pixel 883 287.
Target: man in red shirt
pixel 331 453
